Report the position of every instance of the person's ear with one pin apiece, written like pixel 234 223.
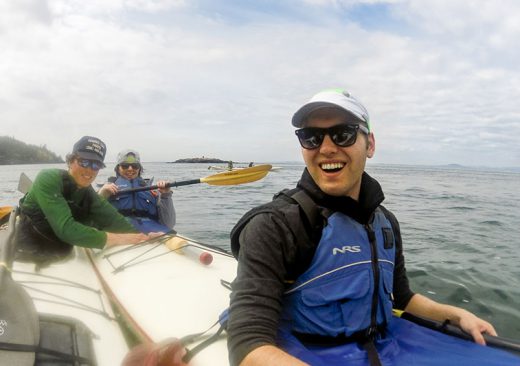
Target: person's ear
pixel 371 146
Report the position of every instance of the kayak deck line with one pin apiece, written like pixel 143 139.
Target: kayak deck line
pixel 58 281
pixel 62 300
pixel 208 247
pixel 152 245
pixel 132 262
pixel 168 236
pixel 55 298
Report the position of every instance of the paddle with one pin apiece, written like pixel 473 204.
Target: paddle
pixel 4 213
pixel 246 175
pixel 510 345
pixel 24 184
pixel 20 325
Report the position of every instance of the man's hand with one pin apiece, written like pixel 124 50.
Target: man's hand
pixel 114 239
pixel 167 353
pixel 475 326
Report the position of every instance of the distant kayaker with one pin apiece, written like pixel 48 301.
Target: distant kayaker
pixel 62 209
pixel 321 266
pixel 146 208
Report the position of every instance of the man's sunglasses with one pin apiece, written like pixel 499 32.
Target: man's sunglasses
pixel 125 166
pixel 92 164
pixel 342 135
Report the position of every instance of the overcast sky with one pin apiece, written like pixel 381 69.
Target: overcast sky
pixel 176 79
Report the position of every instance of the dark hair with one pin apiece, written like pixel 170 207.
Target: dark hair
pixel 69 158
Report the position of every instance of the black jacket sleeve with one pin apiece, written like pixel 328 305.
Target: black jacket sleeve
pixel 266 247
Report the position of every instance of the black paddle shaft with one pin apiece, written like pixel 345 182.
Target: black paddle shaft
pixel 170 184
pixel 510 345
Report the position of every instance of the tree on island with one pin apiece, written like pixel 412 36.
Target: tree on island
pixel 200 160
pixel 13 151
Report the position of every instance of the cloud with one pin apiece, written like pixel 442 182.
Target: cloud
pixel 177 79
pixel 23 12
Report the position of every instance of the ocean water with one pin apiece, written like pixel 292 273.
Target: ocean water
pixel 460 226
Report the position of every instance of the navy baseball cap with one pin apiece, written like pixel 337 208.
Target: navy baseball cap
pixel 91 148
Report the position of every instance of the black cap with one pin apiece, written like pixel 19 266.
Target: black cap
pixel 91 148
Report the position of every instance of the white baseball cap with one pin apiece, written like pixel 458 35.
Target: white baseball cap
pixel 337 98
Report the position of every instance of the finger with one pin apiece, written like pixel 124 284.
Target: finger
pixel 477 337
pixel 142 237
pixel 491 331
pixel 138 355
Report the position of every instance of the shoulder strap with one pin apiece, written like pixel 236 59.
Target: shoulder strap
pixel 67 185
pixel 312 213
pixel 83 208
pixel 315 220
pixel 239 226
pixel 393 222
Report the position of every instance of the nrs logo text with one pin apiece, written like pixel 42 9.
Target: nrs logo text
pixel 346 248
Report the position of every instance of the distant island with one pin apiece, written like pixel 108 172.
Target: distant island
pixel 13 151
pixel 200 160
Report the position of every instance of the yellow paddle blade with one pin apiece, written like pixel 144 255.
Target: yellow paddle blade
pixel 239 176
pixel 4 211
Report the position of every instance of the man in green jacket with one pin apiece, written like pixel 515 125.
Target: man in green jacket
pixel 62 209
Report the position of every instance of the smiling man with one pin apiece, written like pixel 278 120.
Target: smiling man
pixel 321 266
pixel 62 209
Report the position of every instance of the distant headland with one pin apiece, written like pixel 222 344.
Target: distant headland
pixel 200 160
pixel 13 152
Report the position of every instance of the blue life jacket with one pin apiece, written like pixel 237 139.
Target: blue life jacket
pixel 135 204
pixel 146 225
pixel 348 287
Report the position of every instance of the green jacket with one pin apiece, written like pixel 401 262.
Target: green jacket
pixel 76 216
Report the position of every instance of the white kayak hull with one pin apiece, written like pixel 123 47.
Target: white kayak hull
pixel 165 291
pixel 74 291
pixel 67 291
